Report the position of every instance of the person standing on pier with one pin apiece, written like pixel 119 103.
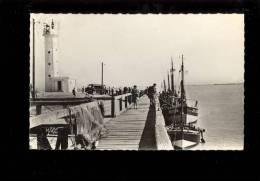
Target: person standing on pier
pixel 152 95
pixel 134 96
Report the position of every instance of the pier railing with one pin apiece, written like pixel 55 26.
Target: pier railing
pixel 115 105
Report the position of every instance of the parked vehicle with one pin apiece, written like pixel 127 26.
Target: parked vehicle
pixel 95 89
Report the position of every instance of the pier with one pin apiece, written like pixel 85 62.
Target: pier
pixel 95 118
pixel 127 128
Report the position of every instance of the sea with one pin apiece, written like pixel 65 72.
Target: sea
pixel 221 114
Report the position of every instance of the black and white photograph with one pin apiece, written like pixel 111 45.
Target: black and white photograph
pixel 136 82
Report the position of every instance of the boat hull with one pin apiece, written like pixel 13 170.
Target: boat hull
pixel 183 139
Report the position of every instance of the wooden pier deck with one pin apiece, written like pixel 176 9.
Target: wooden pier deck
pixel 128 128
pixel 127 131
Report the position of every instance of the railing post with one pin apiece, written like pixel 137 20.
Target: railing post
pixel 120 104
pixel 125 101
pixel 38 109
pixel 113 106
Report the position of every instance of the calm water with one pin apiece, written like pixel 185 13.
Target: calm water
pixel 221 113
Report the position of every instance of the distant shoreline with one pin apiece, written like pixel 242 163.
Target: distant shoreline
pixel 217 84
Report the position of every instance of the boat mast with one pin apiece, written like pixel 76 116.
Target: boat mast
pixel 172 77
pixel 164 85
pixel 182 91
pixel 182 77
pixel 102 74
pixel 169 88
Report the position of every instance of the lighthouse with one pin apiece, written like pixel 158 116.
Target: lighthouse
pixel 53 81
pixel 50 34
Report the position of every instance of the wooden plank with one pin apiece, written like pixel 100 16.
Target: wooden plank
pixel 121 145
pixel 125 128
pixel 124 131
pixel 122 136
pixel 118 140
pixel 118 148
pixel 134 143
pixel 123 140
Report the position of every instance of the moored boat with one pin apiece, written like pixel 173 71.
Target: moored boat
pixel 181 116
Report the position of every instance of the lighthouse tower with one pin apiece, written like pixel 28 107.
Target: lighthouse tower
pixel 53 81
pixel 50 33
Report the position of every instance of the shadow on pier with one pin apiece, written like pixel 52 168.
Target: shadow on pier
pixel 148 141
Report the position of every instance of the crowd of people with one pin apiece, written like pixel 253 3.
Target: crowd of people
pixel 136 93
pixel 111 91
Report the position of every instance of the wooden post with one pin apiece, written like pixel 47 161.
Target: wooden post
pixel 125 101
pixel 120 104
pixel 38 109
pixel 42 141
pixel 113 106
pixel 62 139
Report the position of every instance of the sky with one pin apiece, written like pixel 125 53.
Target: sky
pixel 137 49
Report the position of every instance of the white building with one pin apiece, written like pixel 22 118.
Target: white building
pixel 53 81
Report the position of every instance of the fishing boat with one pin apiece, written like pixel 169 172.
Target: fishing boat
pixel 181 116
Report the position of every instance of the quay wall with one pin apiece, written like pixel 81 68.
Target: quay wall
pixel 162 138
